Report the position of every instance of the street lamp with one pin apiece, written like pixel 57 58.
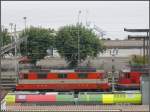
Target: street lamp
pixel 25 26
pixel 25 22
pixel 78 37
pixel 113 53
pixel 11 26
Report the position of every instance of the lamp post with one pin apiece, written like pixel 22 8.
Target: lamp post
pixel 25 22
pixel 78 37
pixel 25 27
pixel 11 26
pixel 113 53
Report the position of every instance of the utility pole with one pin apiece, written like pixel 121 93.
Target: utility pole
pixel 0 50
pixel 148 37
pixel 113 53
pixel 11 27
pixel 148 47
pixel 16 62
pixel 79 37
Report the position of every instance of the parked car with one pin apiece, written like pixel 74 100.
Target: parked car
pixel 24 60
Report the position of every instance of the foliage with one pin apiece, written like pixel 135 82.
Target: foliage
pixel 5 38
pixel 38 41
pixel 138 60
pixel 67 43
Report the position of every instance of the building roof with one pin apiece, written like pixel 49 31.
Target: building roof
pixel 136 30
pixel 124 44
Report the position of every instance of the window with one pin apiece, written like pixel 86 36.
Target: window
pixel 127 75
pixel 25 76
pixel 82 75
pixel 62 75
pixel 42 75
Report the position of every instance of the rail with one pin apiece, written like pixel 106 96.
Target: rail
pixel 8 84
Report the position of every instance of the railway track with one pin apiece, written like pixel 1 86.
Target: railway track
pixel 2 94
pixel 8 84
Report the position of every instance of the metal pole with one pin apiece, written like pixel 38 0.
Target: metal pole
pixel 78 37
pixel 25 22
pixel 148 32
pixel 113 72
pixel 25 27
pixel 149 62
pixel 11 26
pixel 148 47
pixel 2 29
pixel 147 44
pixel 0 56
pixel 16 63
pixel 113 53
pixel 144 50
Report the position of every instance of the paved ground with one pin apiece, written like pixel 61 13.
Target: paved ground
pixel 83 108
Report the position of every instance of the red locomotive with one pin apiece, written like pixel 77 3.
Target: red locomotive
pixel 62 81
pixel 129 80
pixel 75 81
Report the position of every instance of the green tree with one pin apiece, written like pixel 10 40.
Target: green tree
pixel 5 38
pixel 66 42
pixel 138 60
pixel 38 41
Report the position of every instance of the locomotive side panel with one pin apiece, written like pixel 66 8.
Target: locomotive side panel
pixel 64 81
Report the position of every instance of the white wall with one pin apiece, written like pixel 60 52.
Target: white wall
pixel 123 52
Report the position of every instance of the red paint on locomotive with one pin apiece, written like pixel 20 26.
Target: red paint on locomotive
pixel 75 81
pixel 72 76
pixel 52 76
pixel 32 76
pixel 64 87
pixel 63 81
pixel 130 80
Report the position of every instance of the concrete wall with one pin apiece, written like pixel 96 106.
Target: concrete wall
pixel 101 62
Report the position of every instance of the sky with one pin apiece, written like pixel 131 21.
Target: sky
pixel 110 16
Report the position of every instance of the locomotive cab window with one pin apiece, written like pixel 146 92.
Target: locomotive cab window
pixel 25 76
pixel 82 75
pixel 127 75
pixel 62 75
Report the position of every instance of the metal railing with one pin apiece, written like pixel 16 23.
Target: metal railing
pixel 12 45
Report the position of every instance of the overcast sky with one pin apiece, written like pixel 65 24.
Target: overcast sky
pixel 111 16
